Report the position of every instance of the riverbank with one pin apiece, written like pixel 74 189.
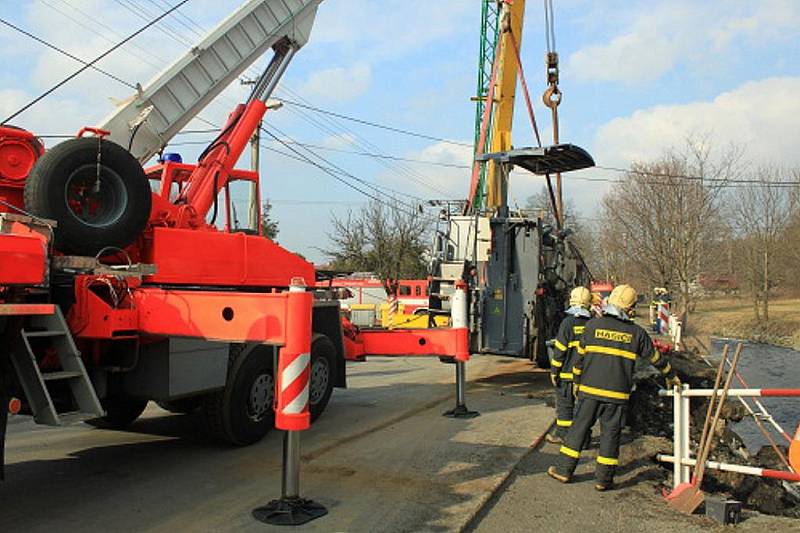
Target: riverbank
pixel 733 317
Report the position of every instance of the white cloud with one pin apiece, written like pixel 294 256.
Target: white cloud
pixel 385 30
pixel 340 141
pixel 338 84
pixel 443 179
pixel 632 57
pixel 760 115
pixel 660 37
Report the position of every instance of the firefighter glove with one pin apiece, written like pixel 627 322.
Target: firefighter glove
pixel 673 381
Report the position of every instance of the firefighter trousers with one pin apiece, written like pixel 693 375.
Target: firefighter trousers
pixel 612 420
pixel 565 403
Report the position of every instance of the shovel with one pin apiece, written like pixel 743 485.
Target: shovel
pixel 691 497
pixel 683 487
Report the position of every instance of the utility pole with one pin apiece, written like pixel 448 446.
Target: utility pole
pixel 252 200
pixel 255 147
pixel 253 208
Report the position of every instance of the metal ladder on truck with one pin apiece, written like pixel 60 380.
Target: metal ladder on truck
pixel 36 382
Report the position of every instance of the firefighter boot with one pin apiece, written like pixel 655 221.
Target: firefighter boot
pixel 553 473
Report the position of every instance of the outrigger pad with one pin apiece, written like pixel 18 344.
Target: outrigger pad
pixel 460 411
pixel 544 160
pixel 289 512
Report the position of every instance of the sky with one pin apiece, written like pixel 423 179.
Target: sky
pixel 638 78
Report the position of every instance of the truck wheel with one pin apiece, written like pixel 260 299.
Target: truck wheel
pixel 242 413
pixel 320 381
pixel 121 411
pixel 182 406
pixel 95 205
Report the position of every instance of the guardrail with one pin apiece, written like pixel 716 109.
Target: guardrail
pixel 681 458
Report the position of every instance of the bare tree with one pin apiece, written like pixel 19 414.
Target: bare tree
pixel 664 214
pixel 761 215
pixel 388 241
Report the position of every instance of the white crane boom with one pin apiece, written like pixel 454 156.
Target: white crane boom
pixel 148 120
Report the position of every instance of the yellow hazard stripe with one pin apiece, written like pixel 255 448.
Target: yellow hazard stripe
pixel 609 461
pixel 569 452
pixel 656 357
pixel 605 393
pixel 581 350
pixel 578 329
pixel 667 369
pixel 574 344
pixel 566 375
pixel 577 371
pixel 560 346
pixel 563 423
pixel 606 350
pixel 557 364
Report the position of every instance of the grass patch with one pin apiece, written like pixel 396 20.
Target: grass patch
pixel 733 317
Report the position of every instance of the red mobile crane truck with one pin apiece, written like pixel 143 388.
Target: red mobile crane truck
pixel 116 285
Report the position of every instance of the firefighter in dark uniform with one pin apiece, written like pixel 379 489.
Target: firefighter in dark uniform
pixel 565 356
pixel 603 374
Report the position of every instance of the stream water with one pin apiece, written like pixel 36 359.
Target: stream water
pixel 766 366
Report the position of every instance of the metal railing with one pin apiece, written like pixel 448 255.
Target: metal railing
pixel 681 458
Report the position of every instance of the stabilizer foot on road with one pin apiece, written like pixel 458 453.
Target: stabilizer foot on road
pixel 289 512
pixel 461 411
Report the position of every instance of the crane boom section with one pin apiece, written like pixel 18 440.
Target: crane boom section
pixel 511 18
pixel 150 119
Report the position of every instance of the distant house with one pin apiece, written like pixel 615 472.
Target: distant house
pixel 718 283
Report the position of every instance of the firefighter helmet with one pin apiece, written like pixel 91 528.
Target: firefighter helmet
pixel 623 296
pixel 580 296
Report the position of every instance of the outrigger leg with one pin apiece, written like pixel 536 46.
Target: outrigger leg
pixel 460 323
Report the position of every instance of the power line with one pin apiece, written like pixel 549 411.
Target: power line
pixel 91 63
pixel 692 178
pixel 281 201
pixel 375 124
pixel 342 151
pixel 94 20
pixel 328 171
pixel 376 188
pixel 307 118
pixel 402 170
pixel 64 52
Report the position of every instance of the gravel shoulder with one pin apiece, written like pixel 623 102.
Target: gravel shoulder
pixel 531 500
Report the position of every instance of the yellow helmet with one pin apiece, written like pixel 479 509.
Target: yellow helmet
pixel 580 296
pixel 623 296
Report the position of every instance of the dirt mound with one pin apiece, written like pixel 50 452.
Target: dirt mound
pixel 651 414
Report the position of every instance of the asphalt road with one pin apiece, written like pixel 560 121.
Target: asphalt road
pixel 382 458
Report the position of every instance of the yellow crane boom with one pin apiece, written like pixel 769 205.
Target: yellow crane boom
pixel 511 22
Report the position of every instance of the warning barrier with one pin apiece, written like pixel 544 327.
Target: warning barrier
pixel 681 422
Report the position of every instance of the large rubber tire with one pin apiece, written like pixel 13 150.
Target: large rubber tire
pixel 242 413
pixel 121 412
pixel 323 365
pixel 62 185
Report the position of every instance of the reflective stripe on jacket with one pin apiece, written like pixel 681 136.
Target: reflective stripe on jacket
pixel 566 345
pixel 608 351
